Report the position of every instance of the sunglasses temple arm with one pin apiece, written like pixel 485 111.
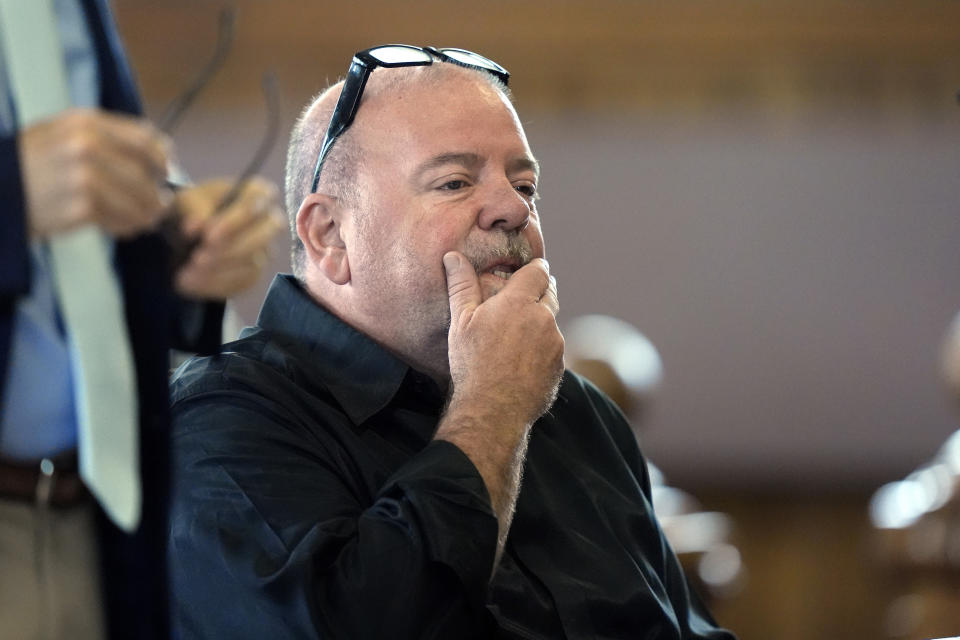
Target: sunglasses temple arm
pixel 343 113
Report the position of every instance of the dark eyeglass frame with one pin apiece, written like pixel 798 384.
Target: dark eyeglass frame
pixel 181 247
pixel 363 64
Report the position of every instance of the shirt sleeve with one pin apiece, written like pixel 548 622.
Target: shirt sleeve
pixel 273 536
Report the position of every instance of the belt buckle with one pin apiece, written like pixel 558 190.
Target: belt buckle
pixel 45 482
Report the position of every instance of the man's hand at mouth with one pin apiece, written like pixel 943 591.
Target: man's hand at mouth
pixel 508 346
pixel 506 360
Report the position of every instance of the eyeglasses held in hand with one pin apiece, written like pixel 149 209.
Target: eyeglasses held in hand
pixel 390 56
pixel 181 247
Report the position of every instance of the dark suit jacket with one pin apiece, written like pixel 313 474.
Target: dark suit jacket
pixel 134 567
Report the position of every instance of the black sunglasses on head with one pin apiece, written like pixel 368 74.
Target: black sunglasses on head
pixel 390 55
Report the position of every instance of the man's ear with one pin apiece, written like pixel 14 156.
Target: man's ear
pixel 319 229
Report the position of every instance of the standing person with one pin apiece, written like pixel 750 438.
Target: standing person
pixel 66 570
pixel 395 451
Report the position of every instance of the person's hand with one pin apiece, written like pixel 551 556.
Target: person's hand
pixel 86 166
pixel 506 353
pixel 234 243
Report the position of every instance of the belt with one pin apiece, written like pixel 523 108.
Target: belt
pixel 51 481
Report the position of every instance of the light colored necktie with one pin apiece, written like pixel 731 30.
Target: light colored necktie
pixel 87 288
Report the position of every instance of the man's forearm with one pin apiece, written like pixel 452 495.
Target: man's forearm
pixel 497 446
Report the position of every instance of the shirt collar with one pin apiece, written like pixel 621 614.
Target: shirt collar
pixel 361 375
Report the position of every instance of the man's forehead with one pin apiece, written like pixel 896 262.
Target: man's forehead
pixel 440 113
pixel 471 160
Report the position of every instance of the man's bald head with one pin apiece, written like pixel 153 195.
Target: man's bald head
pixel 340 175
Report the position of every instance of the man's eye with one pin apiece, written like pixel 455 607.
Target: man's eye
pixel 527 190
pixel 453 185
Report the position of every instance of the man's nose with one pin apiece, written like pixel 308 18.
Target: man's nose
pixel 505 208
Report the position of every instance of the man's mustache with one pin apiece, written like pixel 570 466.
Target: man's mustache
pixel 514 248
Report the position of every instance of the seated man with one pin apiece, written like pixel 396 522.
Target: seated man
pixel 387 454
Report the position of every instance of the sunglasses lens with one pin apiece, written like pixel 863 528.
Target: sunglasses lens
pixel 468 57
pixel 398 54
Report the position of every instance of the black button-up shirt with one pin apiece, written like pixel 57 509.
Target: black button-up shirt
pixel 311 501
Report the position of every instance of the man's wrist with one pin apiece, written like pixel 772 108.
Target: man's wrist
pixel 474 415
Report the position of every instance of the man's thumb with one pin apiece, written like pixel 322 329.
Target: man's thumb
pixel 463 287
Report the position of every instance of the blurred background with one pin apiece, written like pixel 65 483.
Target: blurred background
pixel 767 190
